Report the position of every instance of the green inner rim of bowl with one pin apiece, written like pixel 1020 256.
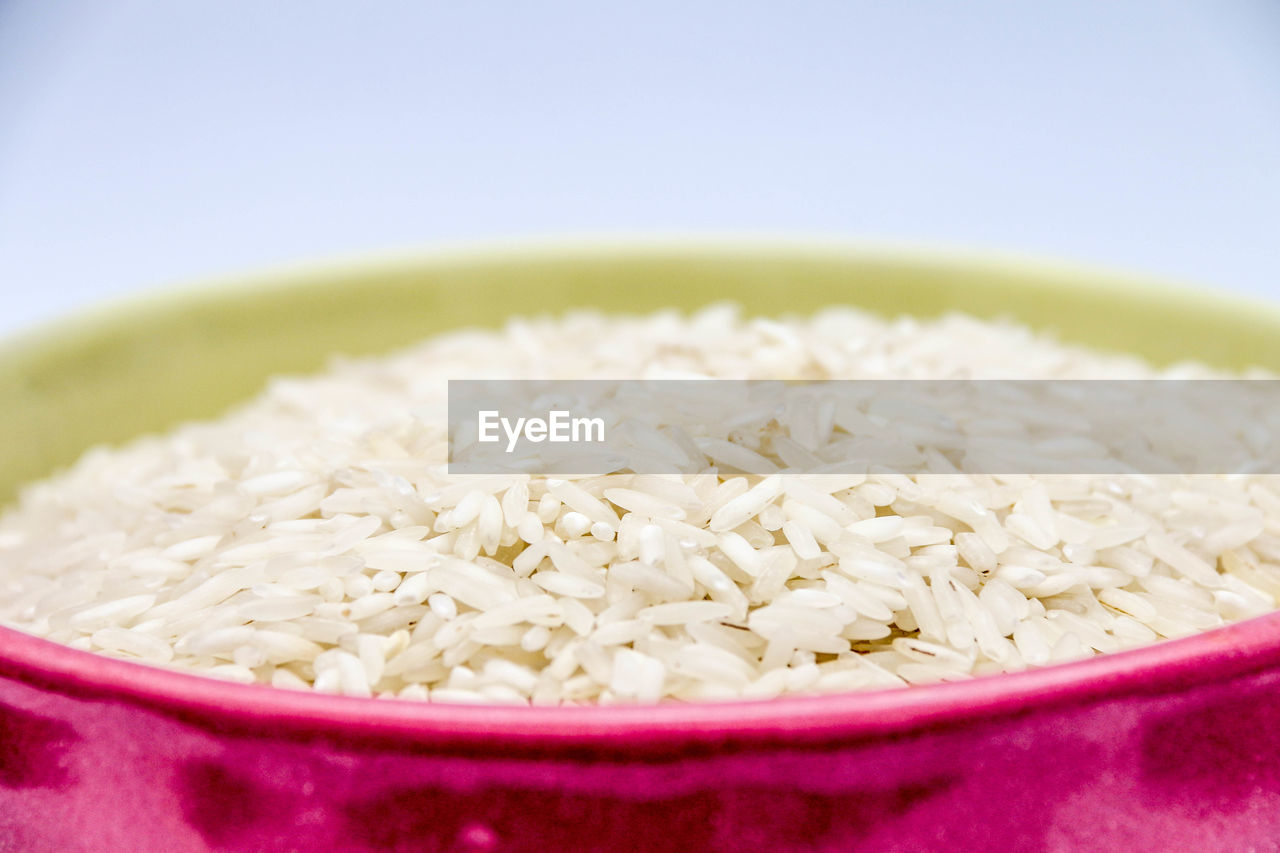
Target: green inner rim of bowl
pixel 146 365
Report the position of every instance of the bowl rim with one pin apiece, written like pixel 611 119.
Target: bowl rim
pixel 1168 666
pixel 1163 668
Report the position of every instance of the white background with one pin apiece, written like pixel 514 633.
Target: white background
pixel 146 143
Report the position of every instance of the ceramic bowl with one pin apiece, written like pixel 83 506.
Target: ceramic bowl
pixel 1175 746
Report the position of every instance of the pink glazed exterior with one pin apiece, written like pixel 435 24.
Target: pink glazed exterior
pixel 1172 747
pixel 1135 751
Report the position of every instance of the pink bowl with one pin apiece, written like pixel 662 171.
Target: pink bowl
pixel 1175 746
pixel 1138 750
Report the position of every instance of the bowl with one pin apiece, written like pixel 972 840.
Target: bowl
pixel 1176 745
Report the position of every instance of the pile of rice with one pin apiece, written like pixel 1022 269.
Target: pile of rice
pixel 312 539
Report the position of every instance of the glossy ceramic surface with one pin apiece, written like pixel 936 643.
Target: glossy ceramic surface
pixel 1172 747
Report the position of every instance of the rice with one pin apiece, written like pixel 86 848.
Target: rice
pixel 312 539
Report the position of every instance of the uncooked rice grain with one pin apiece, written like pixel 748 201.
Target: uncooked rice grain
pixel 312 538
